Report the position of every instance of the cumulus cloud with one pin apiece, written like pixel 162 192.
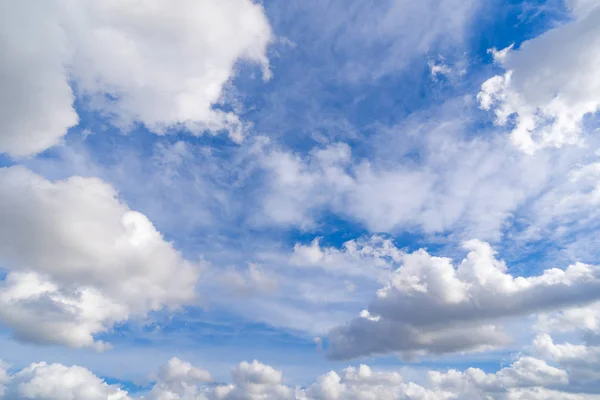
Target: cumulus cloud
pixel 78 260
pixel 550 83
pixel 176 380
pixel 41 381
pixel 364 383
pixel 581 360
pixel 162 64
pixel 460 306
pixel 179 379
pixel 254 381
pixel 525 378
pixel 36 98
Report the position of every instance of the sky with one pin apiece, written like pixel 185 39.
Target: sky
pixel 302 199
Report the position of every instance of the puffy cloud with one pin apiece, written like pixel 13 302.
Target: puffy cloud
pixel 179 380
pixel 176 380
pixel 79 260
pixel 38 310
pixel 525 378
pixel 363 383
pixel 458 306
pixel 159 63
pixel 36 100
pixel 43 381
pixel 254 381
pixel 550 83
pixel 582 361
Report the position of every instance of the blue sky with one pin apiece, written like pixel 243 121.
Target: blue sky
pixel 310 184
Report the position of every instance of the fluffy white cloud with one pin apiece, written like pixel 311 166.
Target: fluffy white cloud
pixel 550 83
pixel 581 360
pixel 525 372
pixel 43 381
pixel 79 260
pixel 364 384
pixel 179 380
pixel 254 381
pixel 36 99
pixel 176 380
pixel 159 63
pixel 458 306
pixel 525 378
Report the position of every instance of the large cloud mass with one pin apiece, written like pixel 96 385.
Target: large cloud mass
pixel 79 260
pixel 551 82
pixel 158 62
pixel 458 307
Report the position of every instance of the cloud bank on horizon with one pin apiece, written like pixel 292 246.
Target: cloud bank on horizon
pixel 239 199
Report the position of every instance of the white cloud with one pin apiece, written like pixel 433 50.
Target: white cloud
pixel 458 306
pixel 525 378
pixel 525 372
pixel 550 83
pixel 582 361
pixel 371 258
pixel 254 381
pixel 569 202
pixel 574 318
pixel 364 384
pixel 441 67
pixel 79 260
pixel 458 184
pixel 179 380
pixel 581 8
pixel 41 381
pixel 436 69
pixel 36 99
pixel 252 279
pixel 158 63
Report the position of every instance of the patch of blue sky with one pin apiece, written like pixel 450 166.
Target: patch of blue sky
pixel 308 99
